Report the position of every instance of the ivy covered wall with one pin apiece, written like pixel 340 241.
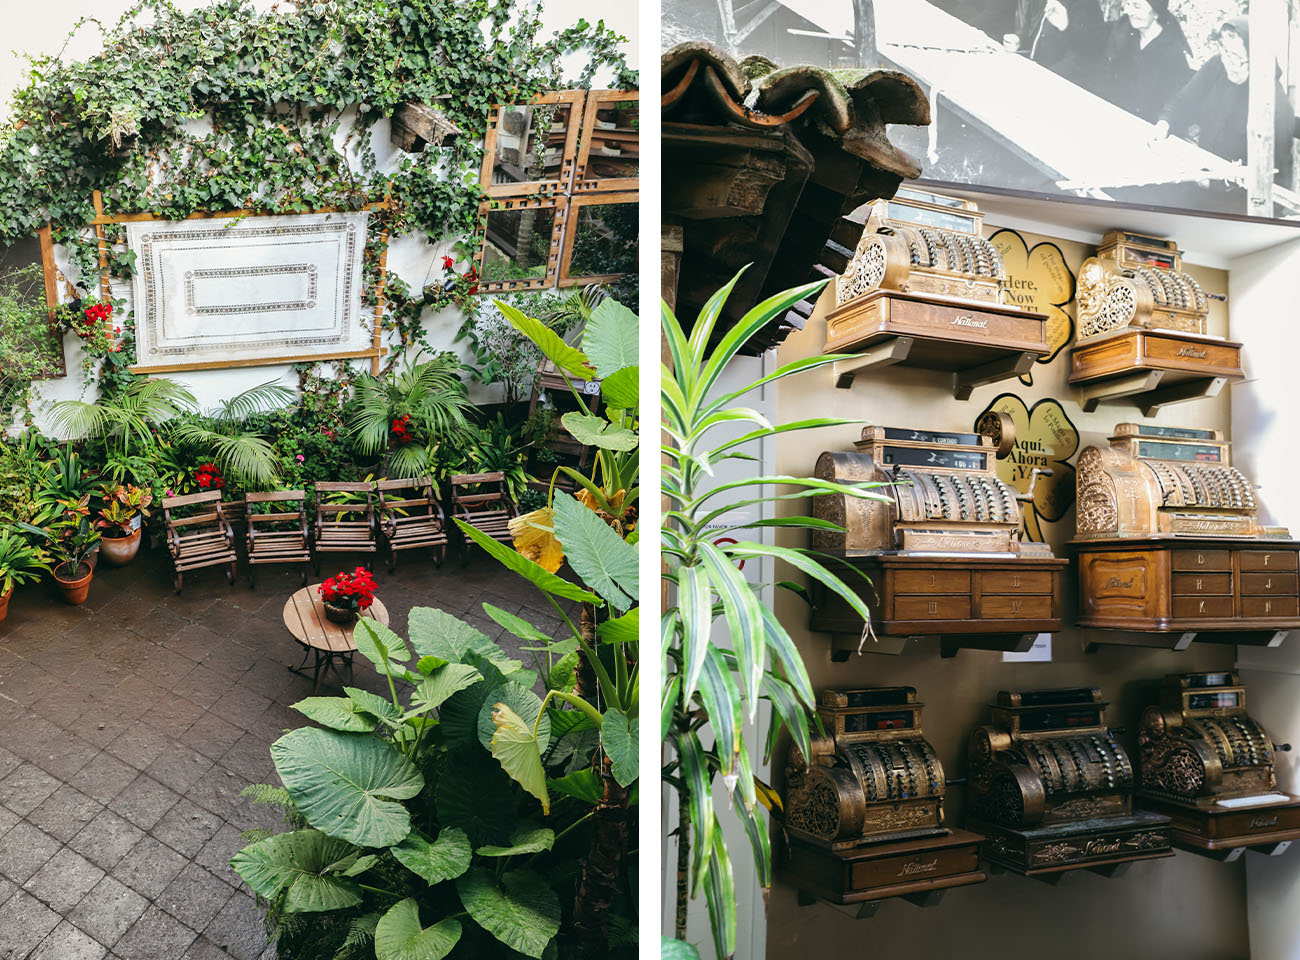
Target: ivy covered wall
pixel 282 108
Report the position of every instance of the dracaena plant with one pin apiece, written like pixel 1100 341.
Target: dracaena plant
pixel 597 669
pixel 417 830
pixel 712 689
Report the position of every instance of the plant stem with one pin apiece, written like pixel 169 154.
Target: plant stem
pixel 387 893
pixel 683 857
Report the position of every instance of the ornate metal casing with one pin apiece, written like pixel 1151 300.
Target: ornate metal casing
pixel 1138 281
pixel 924 243
pixel 943 493
pixel 1199 746
pixel 1048 758
pixel 873 778
pixel 1164 481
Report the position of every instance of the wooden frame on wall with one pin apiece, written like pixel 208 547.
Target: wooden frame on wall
pixel 571 232
pixel 575 100
pixel 598 100
pixel 375 352
pixel 50 272
pixel 559 204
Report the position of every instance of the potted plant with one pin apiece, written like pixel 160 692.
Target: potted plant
pixel 347 594
pixel 120 523
pixel 72 541
pixel 20 562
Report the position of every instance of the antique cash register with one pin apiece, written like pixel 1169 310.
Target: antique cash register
pixel 1206 763
pixel 1142 328
pixel 864 814
pixel 925 289
pixel 1168 541
pixel 1052 789
pixel 940 545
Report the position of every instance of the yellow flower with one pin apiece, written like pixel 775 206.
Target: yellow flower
pixel 534 535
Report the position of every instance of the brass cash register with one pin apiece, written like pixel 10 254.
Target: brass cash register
pixel 864 813
pixel 1205 762
pixel 925 289
pixel 1142 328
pixel 1052 789
pixel 1168 540
pixel 941 544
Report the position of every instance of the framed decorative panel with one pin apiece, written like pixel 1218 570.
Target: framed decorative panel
pixel 519 243
pixel 609 157
pixel 529 149
pixel 248 291
pixel 600 238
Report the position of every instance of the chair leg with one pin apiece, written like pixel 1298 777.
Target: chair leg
pixel 252 575
pixel 303 573
pixel 230 574
pixel 392 560
pixel 176 582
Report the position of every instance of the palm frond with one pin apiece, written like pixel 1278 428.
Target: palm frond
pixel 259 399
pixel 410 460
pixel 246 458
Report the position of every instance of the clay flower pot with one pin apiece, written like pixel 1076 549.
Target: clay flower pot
pixel 119 551
pixel 76 587
pixel 4 603
pixel 344 616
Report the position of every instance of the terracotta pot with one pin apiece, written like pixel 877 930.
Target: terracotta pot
pixel 74 589
pixel 4 604
pixel 344 616
pixel 119 551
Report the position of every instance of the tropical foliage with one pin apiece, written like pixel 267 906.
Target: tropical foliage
pixel 712 689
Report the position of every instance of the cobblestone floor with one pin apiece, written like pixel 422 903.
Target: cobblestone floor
pixel 128 727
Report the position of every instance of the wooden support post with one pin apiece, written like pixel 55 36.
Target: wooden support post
pixel 105 290
pixel 379 303
pixel 51 274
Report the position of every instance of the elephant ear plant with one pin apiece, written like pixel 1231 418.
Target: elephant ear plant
pixel 440 820
pixel 712 689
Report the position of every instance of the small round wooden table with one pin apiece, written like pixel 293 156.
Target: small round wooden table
pixel 304 615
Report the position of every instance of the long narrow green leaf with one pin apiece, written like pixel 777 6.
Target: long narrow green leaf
pixel 720 892
pixel 569 359
pixel 787 654
pixel 707 319
pixel 801 365
pixel 751 818
pixel 684 365
pixel 744 616
pixel 695 606
pixel 721 697
pixel 699 792
pixel 667 704
pixel 806 564
pixel 787 712
pixel 538 575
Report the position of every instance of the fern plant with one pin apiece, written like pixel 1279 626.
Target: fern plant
pixel 712 690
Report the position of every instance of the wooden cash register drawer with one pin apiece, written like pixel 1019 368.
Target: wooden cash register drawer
pixel 1244 587
pixel 968 601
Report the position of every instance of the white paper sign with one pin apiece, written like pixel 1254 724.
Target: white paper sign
pixel 1040 652
pixel 248 289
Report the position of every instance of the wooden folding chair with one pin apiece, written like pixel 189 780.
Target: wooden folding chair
pixel 202 540
pixel 345 536
pixel 480 500
pixel 279 536
pixel 414 522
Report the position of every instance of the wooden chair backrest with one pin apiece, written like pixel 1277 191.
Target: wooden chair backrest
pixel 276 496
pixel 190 500
pixel 420 487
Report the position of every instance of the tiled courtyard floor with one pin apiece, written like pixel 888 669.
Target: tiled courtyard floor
pixel 128 727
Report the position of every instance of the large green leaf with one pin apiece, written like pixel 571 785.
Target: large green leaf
pixel 443 859
pixel 582 784
pixel 517 626
pixel 380 645
pixel 526 839
pixel 478 798
pixel 445 681
pixel 536 574
pixel 622 390
pixel 437 633
pixel 516 749
pixel 523 913
pixel 611 337
pixel 526 706
pixel 593 431
pixel 399 936
pixel 337 713
pixel 606 562
pixel 618 736
pixel 345 784
pixel 301 861
pixel 677 950
pixel 624 629
pixel 567 358
pixel 373 704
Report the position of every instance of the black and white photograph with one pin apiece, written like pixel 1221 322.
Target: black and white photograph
pixel 1182 104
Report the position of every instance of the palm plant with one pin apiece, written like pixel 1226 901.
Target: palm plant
pixel 125 421
pixel 711 690
pixel 20 561
pixel 244 456
pixel 429 393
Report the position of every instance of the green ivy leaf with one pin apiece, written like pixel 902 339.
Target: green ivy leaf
pixel 523 913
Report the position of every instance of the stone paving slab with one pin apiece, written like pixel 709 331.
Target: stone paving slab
pixel 128 728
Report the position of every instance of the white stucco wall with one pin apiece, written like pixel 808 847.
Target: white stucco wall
pixel 43 29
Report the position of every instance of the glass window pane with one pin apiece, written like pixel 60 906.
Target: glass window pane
pixel 604 240
pixel 517 244
pixel 530 143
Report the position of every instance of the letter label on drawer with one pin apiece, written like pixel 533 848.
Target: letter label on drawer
pixel 1200 583
pixel 1266 558
pixel 1201 607
pixel 1268 606
pixel 932 580
pixel 932 607
pixel 1016 605
pixel 1200 558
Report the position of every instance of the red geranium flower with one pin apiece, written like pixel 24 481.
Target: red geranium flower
pixel 448 263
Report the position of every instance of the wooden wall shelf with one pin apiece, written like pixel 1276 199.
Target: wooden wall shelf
pixel 1151 369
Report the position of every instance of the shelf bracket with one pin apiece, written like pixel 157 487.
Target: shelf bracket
pixel 1093 394
pixel 1013 365
pixel 885 354
pixel 1178 392
pixel 847 644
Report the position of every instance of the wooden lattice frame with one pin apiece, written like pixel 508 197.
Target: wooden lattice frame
pixel 559 204
pixel 561 185
pixel 375 352
pixel 596 101
pixel 50 272
pixel 571 234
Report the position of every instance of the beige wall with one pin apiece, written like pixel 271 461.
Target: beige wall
pixel 1186 906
